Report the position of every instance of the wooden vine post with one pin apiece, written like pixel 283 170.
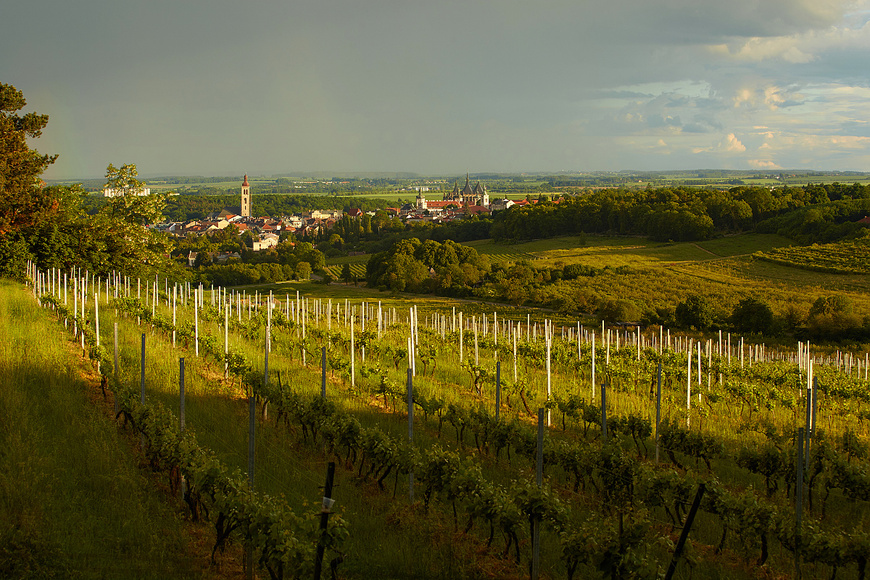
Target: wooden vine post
pixel 116 375
pixel 181 411
pixel 798 501
pixel 497 388
pixel 410 430
pixel 539 481
pixel 681 543
pixel 658 408
pixel 323 372
pixel 325 510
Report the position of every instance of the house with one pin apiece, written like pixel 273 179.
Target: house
pixel 326 214
pixel 223 257
pixel 293 221
pixel 218 224
pixel 501 204
pixel 265 242
pixel 355 212
pixel 191 258
pixel 476 210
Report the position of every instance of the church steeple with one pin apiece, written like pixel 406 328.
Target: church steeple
pixel 246 198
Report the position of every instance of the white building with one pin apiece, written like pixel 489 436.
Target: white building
pixel 109 192
pixel 265 242
pixel 501 204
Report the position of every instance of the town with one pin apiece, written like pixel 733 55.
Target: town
pixel 266 231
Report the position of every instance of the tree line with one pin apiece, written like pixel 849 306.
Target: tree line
pixel 678 213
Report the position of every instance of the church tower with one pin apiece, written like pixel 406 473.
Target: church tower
pixel 246 198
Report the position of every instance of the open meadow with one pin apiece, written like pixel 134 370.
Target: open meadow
pixel 658 275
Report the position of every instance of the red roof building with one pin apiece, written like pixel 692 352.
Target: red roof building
pixel 476 209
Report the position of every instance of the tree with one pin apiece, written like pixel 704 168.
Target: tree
pixel 128 202
pixel 832 317
pixel 346 274
pixel 23 199
pixel 24 203
pixel 752 315
pixel 694 312
pixel 621 310
pixel 303 270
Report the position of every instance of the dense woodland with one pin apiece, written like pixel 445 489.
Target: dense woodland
pixel 685 214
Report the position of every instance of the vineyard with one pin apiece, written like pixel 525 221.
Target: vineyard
pixel 357 270
pixel 543 449
pixel 835 258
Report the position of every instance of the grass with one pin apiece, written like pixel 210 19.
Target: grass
pixel 73 502
pixel 358 270
pixel 341 260
pixel 663 274
pixel 744 244
pixel 611 251
pixel 660 275
pixel 840 258
pixel 632 251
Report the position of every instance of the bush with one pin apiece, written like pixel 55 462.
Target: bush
pixel 752 315
pixel 694 312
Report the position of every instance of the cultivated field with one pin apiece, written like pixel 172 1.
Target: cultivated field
pixel 611 497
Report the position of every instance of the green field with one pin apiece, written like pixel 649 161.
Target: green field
pixel 663 274
pixel 73 501
pixel 851 257
pixel 357 269
pixel 361 259
pixel 603 251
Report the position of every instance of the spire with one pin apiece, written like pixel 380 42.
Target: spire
pixel 245 183
pixel 466 191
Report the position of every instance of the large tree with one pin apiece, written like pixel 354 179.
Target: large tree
pixel 22 199
pixel 128 202
pixel 119 227
pixel 24 203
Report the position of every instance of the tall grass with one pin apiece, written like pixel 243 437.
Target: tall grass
pixel 73 502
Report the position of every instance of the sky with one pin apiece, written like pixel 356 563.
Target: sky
pixel 221 87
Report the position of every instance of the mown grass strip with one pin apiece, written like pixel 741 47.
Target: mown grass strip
pixel 73 502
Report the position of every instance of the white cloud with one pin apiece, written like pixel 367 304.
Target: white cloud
pixel 732 144
pixel 759 49
pixel 763 164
